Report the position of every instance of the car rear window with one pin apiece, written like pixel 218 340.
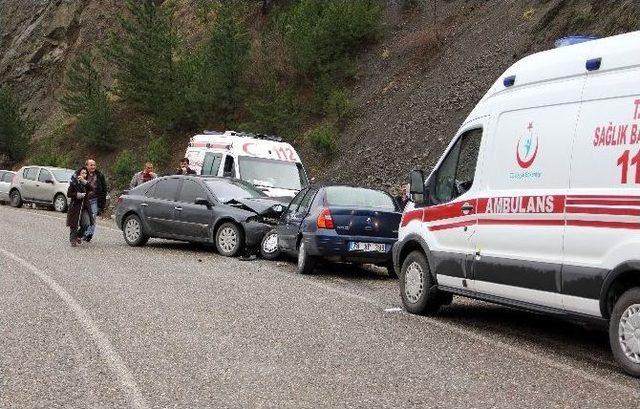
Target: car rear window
pixel 8 177
pixel 62 175
pixel 345 196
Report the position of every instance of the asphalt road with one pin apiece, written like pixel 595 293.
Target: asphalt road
pixel 174 325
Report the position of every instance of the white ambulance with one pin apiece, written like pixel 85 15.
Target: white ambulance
pixel 266 162
pixel 535 203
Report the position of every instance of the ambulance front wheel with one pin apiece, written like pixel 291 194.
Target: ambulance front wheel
pixel 416 286
pixel 624 331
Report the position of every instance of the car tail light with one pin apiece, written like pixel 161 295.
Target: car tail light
pixel 325 221
pixel 13 179
pixel 119 200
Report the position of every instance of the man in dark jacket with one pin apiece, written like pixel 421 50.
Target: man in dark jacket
pixel 97 195
pixel 184 168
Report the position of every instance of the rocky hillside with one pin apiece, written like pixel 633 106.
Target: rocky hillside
pixel 413 88
pixel 417 86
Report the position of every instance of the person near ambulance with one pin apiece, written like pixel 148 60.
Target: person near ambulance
pixel 79 215
pixel 143 176
pixel 97 195
pixel 184 168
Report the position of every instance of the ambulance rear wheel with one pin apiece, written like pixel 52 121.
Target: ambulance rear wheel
pixel 416 285
pixel 624 331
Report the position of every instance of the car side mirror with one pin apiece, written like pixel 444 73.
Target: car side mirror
pixel 416 186
pixel 49 181
pixel 203 202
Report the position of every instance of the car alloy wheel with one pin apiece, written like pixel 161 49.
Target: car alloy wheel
pixel 270 243
pixel 629 333
pixel 269 248
pixel 132 230
pixel 228 239
pixel 414 282
pixel 302 256
pixel 60 203
pixel 15 199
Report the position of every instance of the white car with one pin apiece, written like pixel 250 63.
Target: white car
pixel 43 185
pixel 5 182
pixel 266 162
pixel 535 204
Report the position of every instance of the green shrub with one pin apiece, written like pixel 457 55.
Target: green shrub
pixel 158 152
pixel 338 105
pixel 324 137
pixel 86 98
pixel 54 150
pixel 413 4
pixel 323 35
pixel 142 52
pixel 15 129
pixel 272 110
pixel 123 169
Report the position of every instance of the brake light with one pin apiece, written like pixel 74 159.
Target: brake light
pixel 325 221
pixel 119 200
pixel 13 179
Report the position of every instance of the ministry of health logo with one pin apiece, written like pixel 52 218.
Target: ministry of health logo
pixel 527 148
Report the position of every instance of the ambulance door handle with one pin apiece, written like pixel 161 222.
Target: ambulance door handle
pixel 467 208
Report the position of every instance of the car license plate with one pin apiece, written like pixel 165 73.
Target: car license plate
pixel 368 247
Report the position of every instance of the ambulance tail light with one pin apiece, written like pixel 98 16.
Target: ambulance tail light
pixel 325 221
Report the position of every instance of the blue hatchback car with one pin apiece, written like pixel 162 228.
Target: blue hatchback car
pixel 340 223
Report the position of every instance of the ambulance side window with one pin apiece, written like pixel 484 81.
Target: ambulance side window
pixel 211 164
pixel 229 168
pixel 455 175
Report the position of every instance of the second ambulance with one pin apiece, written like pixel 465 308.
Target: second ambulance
pixel 266 162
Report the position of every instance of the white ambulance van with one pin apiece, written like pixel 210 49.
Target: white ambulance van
pixel 535 203
pixel 266 162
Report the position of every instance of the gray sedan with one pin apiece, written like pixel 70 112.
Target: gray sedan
pixel 229 213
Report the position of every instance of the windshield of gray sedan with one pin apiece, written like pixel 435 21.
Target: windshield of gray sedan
pixel 227 190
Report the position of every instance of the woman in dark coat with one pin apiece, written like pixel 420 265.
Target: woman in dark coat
pixel 79 216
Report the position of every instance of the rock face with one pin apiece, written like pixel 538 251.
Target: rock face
pixel 416 87
pixel 38 39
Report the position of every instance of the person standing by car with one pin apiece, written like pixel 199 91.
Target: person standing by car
pixel 97 195
pixel 143 176
pixel 79 215
pixel 184 168
pixel 403 198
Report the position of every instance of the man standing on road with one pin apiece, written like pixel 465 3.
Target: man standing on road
pixel 143 176
pixel 97 195
pixel 184 168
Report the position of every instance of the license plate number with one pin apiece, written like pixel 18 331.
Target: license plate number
pixel 368 247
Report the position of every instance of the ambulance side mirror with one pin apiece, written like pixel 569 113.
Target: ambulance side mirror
pixel 416 186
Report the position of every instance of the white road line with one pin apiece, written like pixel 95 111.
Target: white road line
pixel 108 353
pixel 470 334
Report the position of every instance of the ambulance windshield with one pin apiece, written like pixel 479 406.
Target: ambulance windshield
pixel 272 173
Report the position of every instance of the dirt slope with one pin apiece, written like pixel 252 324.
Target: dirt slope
pixel 415 89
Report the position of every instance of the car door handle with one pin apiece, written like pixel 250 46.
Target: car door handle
pixel 144 204
pixel 177 208
pixel 467 208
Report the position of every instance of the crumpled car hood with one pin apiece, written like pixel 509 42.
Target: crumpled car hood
pixel 270 207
